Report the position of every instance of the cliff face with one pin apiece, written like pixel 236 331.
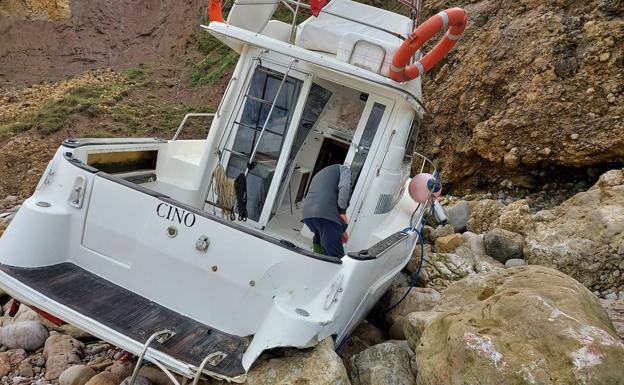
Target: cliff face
pixel 51 39
pixel 531 83
pixel 47 10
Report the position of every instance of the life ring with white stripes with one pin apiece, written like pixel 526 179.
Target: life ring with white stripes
pixel 452 20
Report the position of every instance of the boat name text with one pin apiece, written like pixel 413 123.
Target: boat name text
pixel 175 214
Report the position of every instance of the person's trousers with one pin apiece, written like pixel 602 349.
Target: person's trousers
pixel 328 234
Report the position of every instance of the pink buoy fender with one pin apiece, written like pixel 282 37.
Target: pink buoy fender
pixel 422 186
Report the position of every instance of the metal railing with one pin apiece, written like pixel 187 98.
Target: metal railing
pixel 191 115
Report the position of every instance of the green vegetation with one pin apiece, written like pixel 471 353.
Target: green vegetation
pixel 121 107
pixel 218 58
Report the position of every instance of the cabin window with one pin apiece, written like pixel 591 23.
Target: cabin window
pixel 315 104
pixel 410 144
pixel 366 141
pixel 262 93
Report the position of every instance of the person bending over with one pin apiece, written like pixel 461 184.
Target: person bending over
pixel 325 208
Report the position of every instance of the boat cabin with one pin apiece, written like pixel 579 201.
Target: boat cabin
pixel 301 98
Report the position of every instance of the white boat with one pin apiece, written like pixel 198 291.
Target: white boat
pixel 139 242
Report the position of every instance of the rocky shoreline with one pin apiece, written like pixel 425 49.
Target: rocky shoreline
pixel 492 305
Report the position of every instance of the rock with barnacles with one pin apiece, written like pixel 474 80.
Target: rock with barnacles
pixel 526 325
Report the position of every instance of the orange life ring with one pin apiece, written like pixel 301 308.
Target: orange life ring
pixel 452 20
pixel 214 11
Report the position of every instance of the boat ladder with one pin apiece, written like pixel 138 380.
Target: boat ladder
pixel 162 336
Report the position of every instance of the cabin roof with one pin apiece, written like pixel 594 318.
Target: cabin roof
pixel 237 37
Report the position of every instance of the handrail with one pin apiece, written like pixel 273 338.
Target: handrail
pixel 190 115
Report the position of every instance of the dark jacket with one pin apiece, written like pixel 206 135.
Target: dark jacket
pixel 329 193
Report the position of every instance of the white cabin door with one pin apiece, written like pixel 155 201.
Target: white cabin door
pixel 366 141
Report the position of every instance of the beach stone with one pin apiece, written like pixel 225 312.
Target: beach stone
pixel 61 352
pixel 76 375
pixel 524 325
pixel 448 243
pixel 25 369
pixel 122 369
pixel 503 245
pixel 475 243
pixel 27 335
pixel 514 263
pixel 104 378
pixel 5 364
pixel 386 363
pixel 430 234
pixel 458 215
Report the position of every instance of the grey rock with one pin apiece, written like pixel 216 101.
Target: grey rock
pixel 458 216
pixel 621 296
pixel 514 263
pixel 611 296
pixel 27 335
pixel 386 363
pixel 503 245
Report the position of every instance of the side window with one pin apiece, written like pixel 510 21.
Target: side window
pixel 372 124
pixel 410 145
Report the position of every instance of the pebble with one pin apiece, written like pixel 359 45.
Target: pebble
pixel 611 296
pixel 574 136
pixel 621 296
pixel 514 263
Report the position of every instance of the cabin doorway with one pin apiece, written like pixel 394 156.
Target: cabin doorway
pixel 332 152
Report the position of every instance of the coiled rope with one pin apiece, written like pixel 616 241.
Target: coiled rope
pixel 226 193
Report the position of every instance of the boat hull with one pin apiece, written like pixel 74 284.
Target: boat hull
pixel 241 283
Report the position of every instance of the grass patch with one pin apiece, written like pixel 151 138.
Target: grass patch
pixel 127 107
pixel 56 114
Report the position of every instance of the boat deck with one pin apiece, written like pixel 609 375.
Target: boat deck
pixel 133 315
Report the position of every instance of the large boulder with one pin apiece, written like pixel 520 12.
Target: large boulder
pixel 27 335
pixel 525 325
pixel 584 236
pixel 383 364
pixel 319 365
pixel 503 245
pixel 61 352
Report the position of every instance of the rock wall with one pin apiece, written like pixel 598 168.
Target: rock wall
pixel 47 10
pixel 531 83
